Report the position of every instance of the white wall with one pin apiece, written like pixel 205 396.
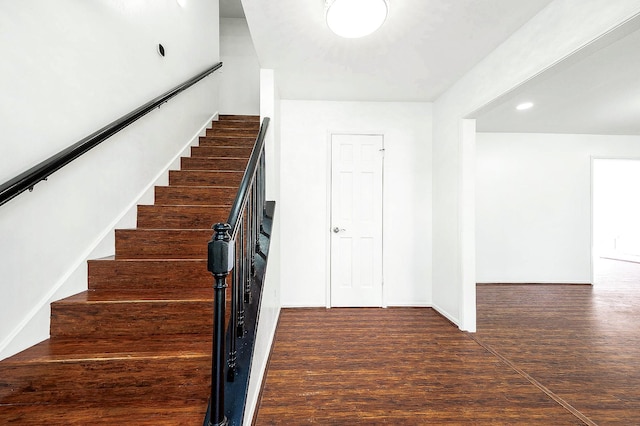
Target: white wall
pixel 533 204
pixel 66 71
pixel 240 78
pixel 304 200
pixel 270 303
pixel 556 32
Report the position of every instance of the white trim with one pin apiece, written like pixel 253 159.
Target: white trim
pixel 252 400
pixel 84 257
pixel 446 314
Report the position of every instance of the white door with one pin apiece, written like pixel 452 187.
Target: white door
pixel 356 220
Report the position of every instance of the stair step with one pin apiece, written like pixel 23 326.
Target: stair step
pixel 232 117
pixel 142 413
pixel 195 195
pixel 205 177
pixel 133 313
pixel 236 124
pixel 221 151
pixel 224 131
pixel 114 274
pixel 162 243
pixel 246 141
pixel 212 163
pixel 162 368
pixel 181 217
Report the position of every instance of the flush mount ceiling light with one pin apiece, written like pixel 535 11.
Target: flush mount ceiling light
pixel 355 18
pixel 524 105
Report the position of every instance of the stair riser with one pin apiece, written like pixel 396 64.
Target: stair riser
pixel 113 274
pixel 162 244
pixel 236 124
pixel 232 117
pixel 226 141
pixel 131 319
pixel 221 151
pixel 191 163
pixel 181 217
pixel 231 132
pixel 194 195
pixel 93 381
pixel 204 178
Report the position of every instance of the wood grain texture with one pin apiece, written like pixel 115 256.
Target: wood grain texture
pixel 148 274
pixel 398 366
pixel 195 195
pixel 181 217
pixel 236 124
pixel 104 313
pixel 236 117
pixel 580 342
pixel 205 177
pixel 162 243
pixel 220 140
pixel 221 151
pixel 211 163
pixel 230 131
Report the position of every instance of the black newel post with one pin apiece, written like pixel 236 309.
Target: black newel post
pixel 219 263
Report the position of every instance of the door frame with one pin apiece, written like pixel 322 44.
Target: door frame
pixel 329 163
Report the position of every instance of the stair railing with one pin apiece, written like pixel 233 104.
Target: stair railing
pixel 29 178
pixel 232 249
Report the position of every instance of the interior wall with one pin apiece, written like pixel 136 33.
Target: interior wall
pixel 67 71
pixel 270 303
pixel 556 32
pixel 306 127
pixel 240 77
pixel 533 204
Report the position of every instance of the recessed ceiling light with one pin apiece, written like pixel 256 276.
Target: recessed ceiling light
pixel 524 105
pixel 355 18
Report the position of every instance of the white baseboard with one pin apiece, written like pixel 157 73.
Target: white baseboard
pixel 446 314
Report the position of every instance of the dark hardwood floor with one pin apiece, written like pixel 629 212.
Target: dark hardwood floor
pixel 543 354
pixel 580 342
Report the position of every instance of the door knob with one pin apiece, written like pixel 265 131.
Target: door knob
pixel 336 230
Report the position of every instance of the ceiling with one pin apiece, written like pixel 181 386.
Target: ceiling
pixel 597 92
pixel 420 51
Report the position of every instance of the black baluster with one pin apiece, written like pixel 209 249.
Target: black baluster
pixel 238 283
pixel 218 264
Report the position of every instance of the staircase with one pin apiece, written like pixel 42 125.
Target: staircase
pixel 135 349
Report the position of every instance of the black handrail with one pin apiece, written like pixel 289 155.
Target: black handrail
pixel 247 178
pixel 27 180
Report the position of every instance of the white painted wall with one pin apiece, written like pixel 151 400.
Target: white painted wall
pixel 556 32
pixel 533 204
pixel 66 71
pixel 270 303
pixel 240 77
pixel 304 199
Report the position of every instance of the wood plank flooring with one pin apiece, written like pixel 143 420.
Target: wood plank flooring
pixel 543 354
pixel 581 342
pixel 403 366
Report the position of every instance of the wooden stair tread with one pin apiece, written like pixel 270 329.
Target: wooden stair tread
pixel 62 350
pixel 139 296
pixel 147 414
